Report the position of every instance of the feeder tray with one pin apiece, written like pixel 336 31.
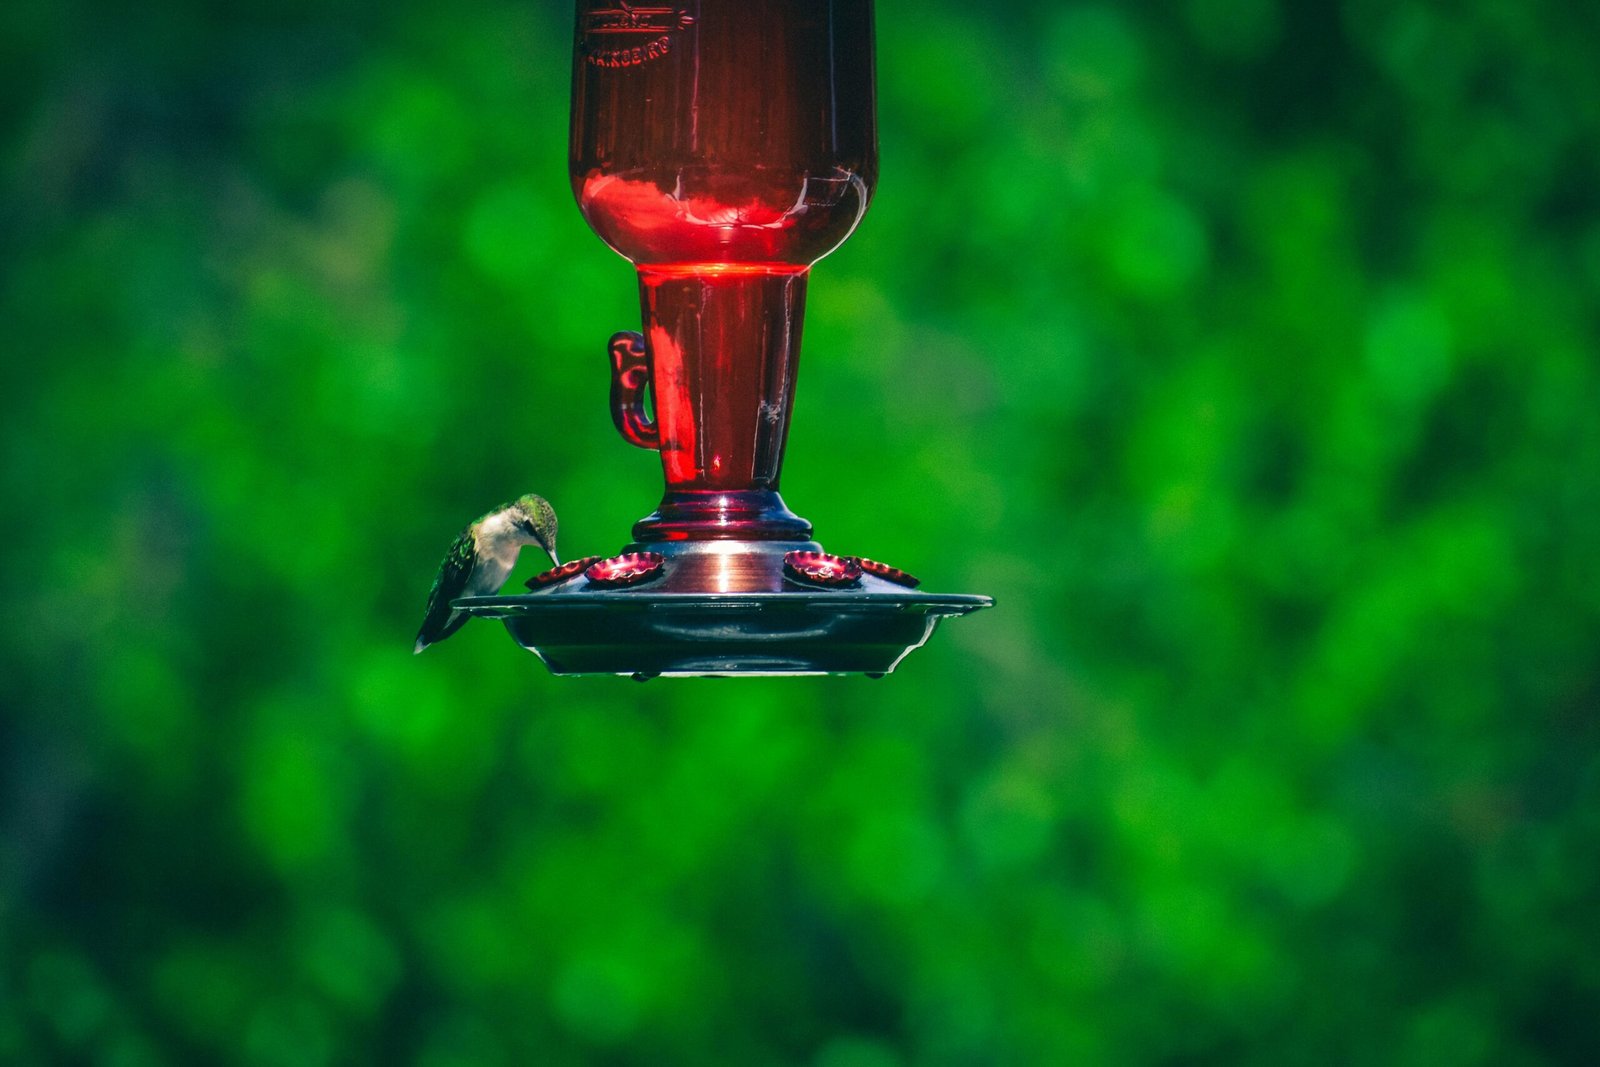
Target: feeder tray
pixel 722 608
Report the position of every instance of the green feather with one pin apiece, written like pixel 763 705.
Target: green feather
pixel 440 621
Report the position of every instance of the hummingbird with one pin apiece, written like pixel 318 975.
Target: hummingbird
pixel 480 559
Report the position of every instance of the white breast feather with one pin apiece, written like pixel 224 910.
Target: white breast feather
pixel 499 541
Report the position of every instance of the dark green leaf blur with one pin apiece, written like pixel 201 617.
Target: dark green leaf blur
pixel 1247 351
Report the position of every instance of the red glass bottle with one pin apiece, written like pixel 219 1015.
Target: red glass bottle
pixel 722 146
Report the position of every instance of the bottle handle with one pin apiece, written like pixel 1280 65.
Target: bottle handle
pixel 630 377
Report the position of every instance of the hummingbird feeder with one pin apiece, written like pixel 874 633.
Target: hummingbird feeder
pixel 722 147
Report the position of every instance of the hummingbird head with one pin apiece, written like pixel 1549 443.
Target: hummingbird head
pixel 534 517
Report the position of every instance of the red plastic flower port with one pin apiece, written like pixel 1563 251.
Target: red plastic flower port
pixel 626 569
pixel 819 568
pixel 566 570
pixel 888 573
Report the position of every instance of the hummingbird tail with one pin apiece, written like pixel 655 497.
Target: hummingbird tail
pixel 430 635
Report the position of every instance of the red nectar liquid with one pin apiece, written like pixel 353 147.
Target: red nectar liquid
pixel 723 146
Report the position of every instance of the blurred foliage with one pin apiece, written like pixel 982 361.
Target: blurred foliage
pixel 1245 350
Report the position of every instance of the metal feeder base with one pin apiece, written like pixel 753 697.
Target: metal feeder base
pixel 739 615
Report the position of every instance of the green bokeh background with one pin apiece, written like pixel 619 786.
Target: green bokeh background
pixel 1244 350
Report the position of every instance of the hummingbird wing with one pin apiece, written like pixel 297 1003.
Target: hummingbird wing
pixel 441 621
